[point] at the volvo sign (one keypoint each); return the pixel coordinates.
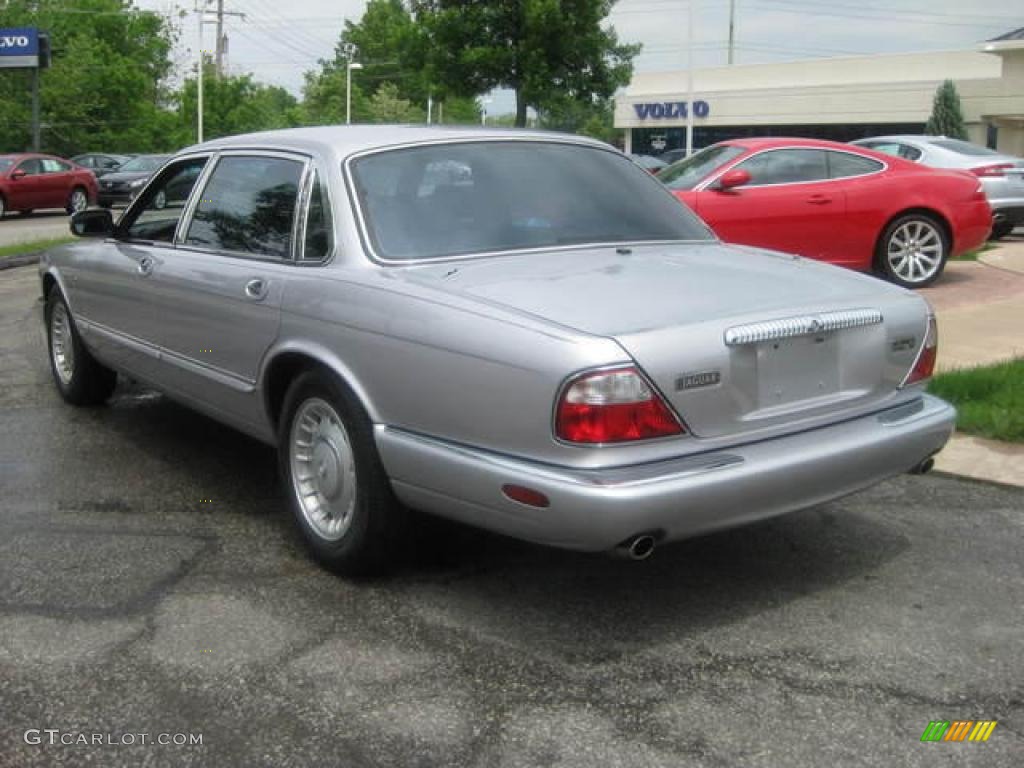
(665, 110)
(19, 47)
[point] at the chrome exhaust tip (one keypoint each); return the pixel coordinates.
(638, 547)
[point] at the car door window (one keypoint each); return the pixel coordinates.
(844, 164)
(31, 167)
(319, 231)
(54, 166)
(786, 166)
(156, 214)
(908, 152)
(248, 206)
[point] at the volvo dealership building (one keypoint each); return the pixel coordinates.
(841, 98)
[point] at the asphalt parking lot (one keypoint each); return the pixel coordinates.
(151, 583)
(41, 225)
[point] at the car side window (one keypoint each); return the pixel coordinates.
(844, 164)
(156, 214)
(319, 229)
(248, 206)
(908, 152)
(54, 166)
(786, 166)
(31, 167)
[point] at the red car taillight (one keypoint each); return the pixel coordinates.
(991, 171)
(613, 406)
(924, 365)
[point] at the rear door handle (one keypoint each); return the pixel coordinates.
(819, 200)
(146, 266)
(256, 289)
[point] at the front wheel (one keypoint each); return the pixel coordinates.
(80, 379)
(913, 250)
(339, 494)
(78, 201)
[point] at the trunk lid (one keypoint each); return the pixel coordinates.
(736, 339)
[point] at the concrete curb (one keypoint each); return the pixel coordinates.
(21, 260)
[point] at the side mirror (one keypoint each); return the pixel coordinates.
(92, 223)
(737, 177)
(17, 173)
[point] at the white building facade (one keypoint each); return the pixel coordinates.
(836, 98)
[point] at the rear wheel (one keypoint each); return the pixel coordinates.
(160, 201)
(26, 212)
(913, 250)
(1001, 229)
(78, 200)
(80, 379)
(339, 494)
(3, 206)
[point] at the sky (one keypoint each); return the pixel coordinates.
(277, 41)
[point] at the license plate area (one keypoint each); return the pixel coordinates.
(799, 368)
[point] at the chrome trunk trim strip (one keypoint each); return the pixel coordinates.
(801, 325)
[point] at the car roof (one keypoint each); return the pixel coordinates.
(787, 141)
(344, 140)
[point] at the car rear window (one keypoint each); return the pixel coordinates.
(843, 164)
(445, 200)
(686, 174)
(963, 147)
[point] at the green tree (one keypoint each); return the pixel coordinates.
(947, 118)
(233, 105)
(386, 106)
(547, 51)
(592, 119)
(106, 88)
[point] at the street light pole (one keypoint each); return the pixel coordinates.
(199, 75)
(348, 89)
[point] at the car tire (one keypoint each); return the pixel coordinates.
(1001, 229)
(80, 379)
(913, 250)
(26, 212)
(160, 200)
(78, 200)
(3, 206)
(339, 494)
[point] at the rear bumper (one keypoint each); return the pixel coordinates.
(972, 225)
(597, 509)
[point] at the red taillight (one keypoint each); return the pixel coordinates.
(924, 366)
(612, 407)
(991, 171)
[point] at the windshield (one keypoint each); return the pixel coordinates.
(963, 147)
(686, 174)
(451, 199)
(145, 163)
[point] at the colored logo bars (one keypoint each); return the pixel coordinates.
(958, 730)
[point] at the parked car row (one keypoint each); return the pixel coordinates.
(29, 181)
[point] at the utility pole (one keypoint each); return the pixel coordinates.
(689, 78)
(199, 75)
(732, 30)
(220, 40)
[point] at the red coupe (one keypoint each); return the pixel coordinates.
(837, 203)
(31, 181)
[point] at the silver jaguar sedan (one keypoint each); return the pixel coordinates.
(522, 331)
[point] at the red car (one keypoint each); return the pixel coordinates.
(31, 181)
(837, 203)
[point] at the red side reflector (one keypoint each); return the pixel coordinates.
(527, 496)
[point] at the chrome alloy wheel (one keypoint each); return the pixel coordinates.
(323, 469)
(914, 251)
(62, 347)
(79, 201)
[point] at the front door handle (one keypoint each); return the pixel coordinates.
(146, 266)
(819, 200)
(256, 289)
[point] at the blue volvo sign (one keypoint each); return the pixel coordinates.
(19, 47)
(664, 110)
